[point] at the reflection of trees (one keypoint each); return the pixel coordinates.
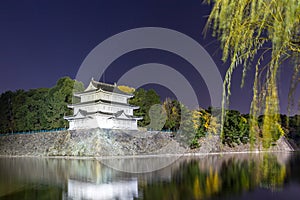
(187, 178)
(188, 182)
(206, 185)
(234, 176)
(271, 172)
(264, 171)
(237, 176)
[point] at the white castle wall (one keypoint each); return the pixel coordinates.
(107, 108)
(98, 121)
(105, 96)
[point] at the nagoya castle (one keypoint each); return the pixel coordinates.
(102, 105)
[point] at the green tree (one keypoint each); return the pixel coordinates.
(6, 114)
(144, 99)
(201, 122)
(37, 109)
(59, 97)
(31, 112)
(23, 111)
(173, 111)
(186, 122)
(19, 110)
(294, 129)
(158, 117)
(248, 31)
(236, 128)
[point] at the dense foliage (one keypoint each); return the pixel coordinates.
(192, 125)
(236, 128)
(144, 99)
(44, 109)
(292, 127)
(37, 109)
(173, 111)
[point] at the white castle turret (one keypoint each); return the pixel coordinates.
(102, 105)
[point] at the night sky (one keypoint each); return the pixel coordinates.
(42, 41)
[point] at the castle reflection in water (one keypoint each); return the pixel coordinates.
(188, 177)
(113, 190)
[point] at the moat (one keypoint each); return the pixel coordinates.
(228, 176)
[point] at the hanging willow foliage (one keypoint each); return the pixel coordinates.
(250, 30)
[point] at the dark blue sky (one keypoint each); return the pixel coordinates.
(42, 41)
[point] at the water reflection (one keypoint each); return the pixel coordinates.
(214, 176)
(221, 176)
(113, 190)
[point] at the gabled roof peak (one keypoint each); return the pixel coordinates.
(96, 85)
(101, 84)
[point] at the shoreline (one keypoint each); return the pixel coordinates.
(118, 144)
(146, 156)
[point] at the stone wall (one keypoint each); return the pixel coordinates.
(93, 142)
(104, 142)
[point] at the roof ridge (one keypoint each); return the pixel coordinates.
(105, 84)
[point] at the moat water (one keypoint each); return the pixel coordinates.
(229, 176)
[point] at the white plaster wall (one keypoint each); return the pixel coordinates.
(105, 96)
(104, 108)
(102, 122)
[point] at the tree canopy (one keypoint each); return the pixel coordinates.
(144, 99)
(37, 109)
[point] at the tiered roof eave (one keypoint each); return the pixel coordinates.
(83, 114)
(100, 101)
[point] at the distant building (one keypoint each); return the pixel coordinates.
(102, 105)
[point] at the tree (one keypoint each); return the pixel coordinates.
(36, 109)
(59, 97)
(6, 115)
(185, 134)
(250, 30)
(144, 99)
(158, 116)
(139, 100)
(31, 114)
(294, 129)
(236, 128)
(173, 111)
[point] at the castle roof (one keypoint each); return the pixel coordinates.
(95, 86)
(104, 102)
(83, 114)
